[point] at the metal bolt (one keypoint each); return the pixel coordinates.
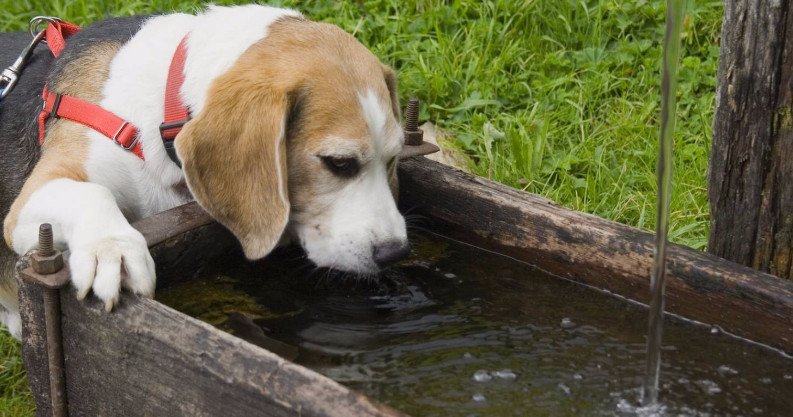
(52, 323)
(45, 239)
(413, 135)
(46, 260)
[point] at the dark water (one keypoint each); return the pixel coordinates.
(456, 331)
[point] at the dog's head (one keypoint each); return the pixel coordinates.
(301, 136)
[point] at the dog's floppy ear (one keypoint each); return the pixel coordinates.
(234, 158)
(391, 83)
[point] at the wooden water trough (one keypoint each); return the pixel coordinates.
(145, 359)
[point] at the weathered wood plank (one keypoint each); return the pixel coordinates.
(172, 223)
(34, 348)
(598, 252)
(179, 258)
(751, 161)
(146, 359)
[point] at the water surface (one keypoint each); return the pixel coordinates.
(456, 331)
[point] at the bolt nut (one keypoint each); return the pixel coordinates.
(415, 137)
(46, 265)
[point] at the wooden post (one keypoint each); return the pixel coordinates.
(751, 162)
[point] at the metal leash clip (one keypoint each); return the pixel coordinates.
(10, 76)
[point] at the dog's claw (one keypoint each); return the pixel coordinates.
(104, 265)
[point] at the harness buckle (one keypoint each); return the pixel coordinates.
(172, 125)
(118, 132)
(55, 105)
(36, 22)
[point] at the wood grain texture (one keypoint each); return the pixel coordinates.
(172, 223)
(751, 162)
(146, 359)
(598, 252)
(34, 335)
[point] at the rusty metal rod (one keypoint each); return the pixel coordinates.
(52, 322)
(48, 261)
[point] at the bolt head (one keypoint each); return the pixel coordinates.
(414, 137)
(46, 265)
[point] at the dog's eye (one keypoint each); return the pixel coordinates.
(343, 167)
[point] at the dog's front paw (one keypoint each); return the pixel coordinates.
(107, 263)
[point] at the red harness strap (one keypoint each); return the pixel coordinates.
(56, 33)
(176, 113)
(120, 131)
(117, 129)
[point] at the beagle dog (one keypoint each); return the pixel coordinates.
(294, 136)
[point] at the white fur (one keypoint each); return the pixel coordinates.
(13, 322)
(86, 218)
(374, 115)
(384, 130)
(363, 214)
(282, 194)
(360, 216)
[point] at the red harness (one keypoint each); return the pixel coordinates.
(120, 131)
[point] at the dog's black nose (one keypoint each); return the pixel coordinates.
(389, 252)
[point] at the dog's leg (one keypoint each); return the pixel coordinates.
(85, 219)
(9, 304)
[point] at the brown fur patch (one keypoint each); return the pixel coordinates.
(391, 83)
(331, 67)
(65, 146)
(234, 158)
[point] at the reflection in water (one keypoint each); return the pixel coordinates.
(455, 331)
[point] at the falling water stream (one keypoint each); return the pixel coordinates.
(674, 20)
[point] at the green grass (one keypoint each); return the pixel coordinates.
(15, 397)
(559, 98)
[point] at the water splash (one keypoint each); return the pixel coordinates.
(506, 374)
(674, 20)
(482, 376)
